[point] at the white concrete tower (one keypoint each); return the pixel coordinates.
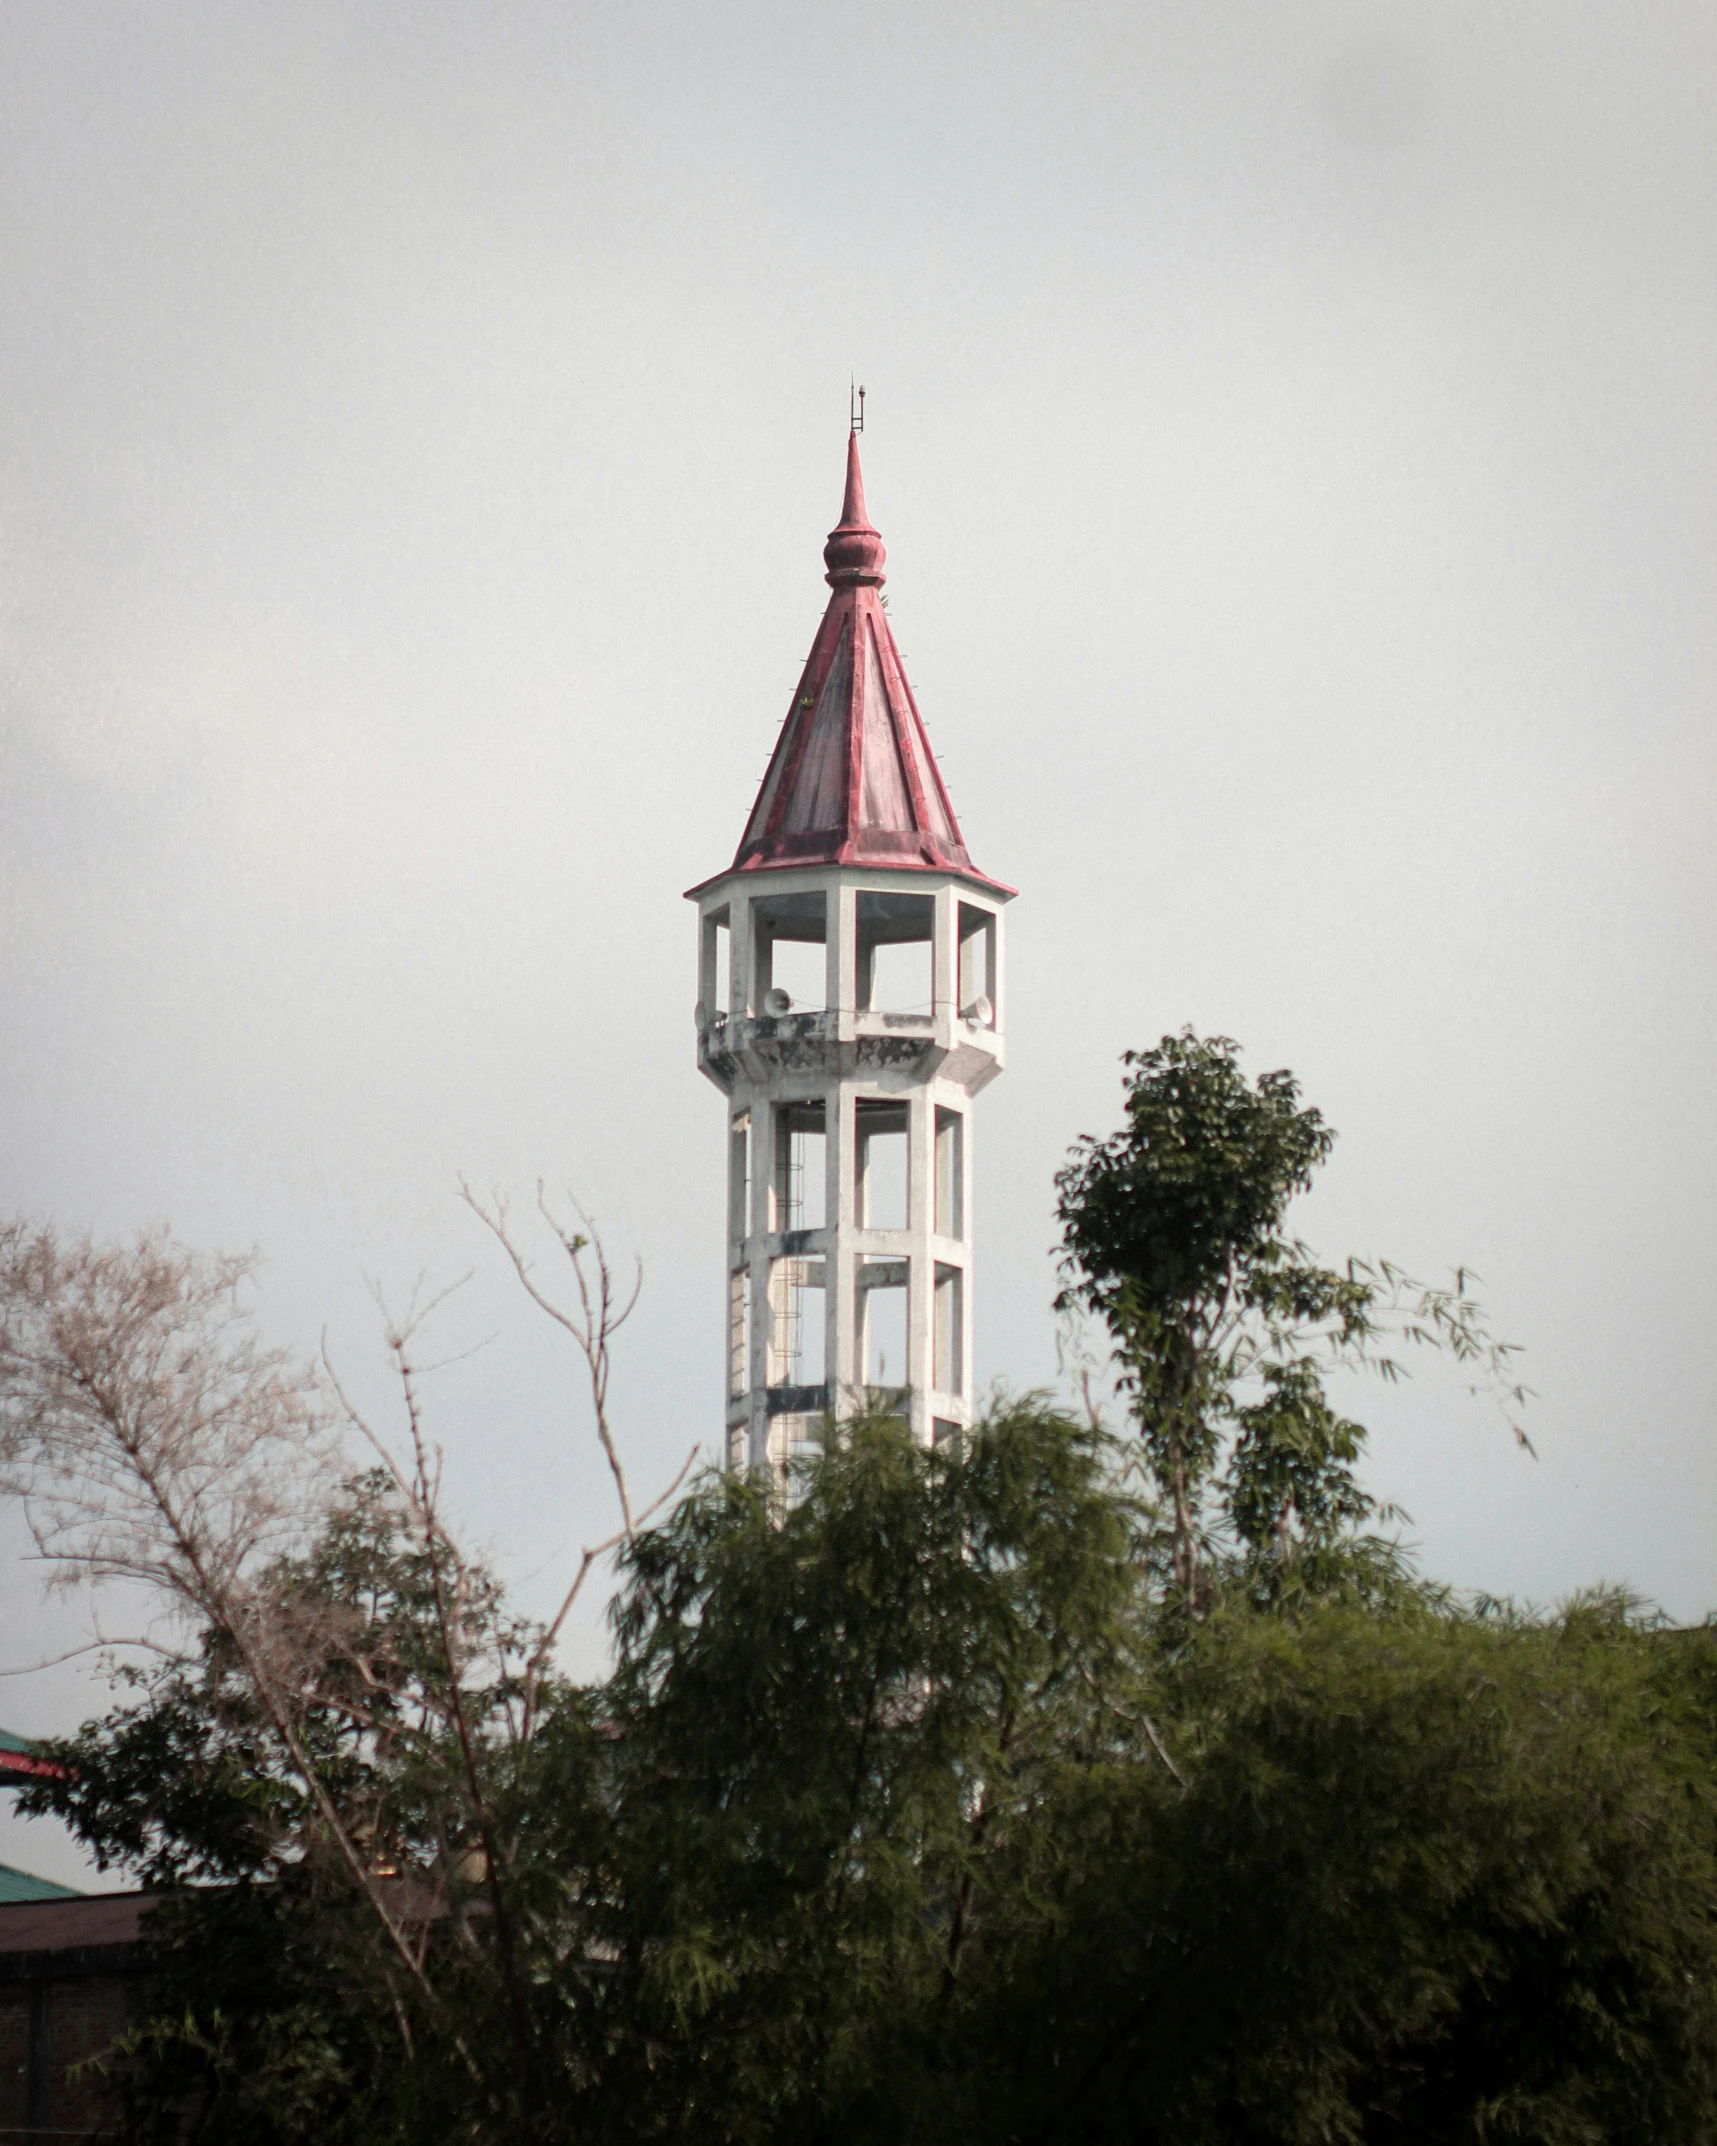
(850, 1006)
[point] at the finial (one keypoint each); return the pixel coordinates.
(854, 552)
(855, 407)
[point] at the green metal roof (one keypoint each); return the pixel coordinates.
(21, 1744)
(18, 1885)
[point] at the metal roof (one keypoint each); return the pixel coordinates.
(19, 1761)
(19, 1885)
(852, 779)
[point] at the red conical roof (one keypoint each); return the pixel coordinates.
(852, 779)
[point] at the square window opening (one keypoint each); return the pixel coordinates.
(739, 1180)
(715, 968)
(882, 1185)
(738, 1333)
(896, 934)
(882, 1333)
(949, 1331)
(801, 1166)
(977, 965)
(950, 1174)
(790, 965)
(901, 981)
(798, 1328)
(801, 1441)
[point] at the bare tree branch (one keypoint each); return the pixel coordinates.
(599, 1318)
(154, 1441)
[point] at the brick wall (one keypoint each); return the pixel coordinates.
(71, 1975)
(47, 2029)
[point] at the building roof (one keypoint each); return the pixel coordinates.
(78, 1919)
(852, 779)
(77, 1935)
(19, 1761)
(17, 1885)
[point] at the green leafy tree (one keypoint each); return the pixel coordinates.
(287, 1993)
(344, 1731)
(1429, 1877)
(1225, 1326)
(826, 1722)
(732, 1875)
(908, 1811)
(915, 1803)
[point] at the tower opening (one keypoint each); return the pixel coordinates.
(739, 1179)
(715, 967)
(977, 986)
(896, 946)
(949, 1338)
(738, 1333)
(950, 1173)
(738, 1274)
(884, 1354)
(882, 1183)
(790, 934)
(798, 1327)
(801, 1166)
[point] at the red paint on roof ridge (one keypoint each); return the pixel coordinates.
(19, 1757)
(852, 779)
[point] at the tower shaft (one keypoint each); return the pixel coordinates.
(850, 1006)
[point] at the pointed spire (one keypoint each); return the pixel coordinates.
(854, 553)
(853, 515)
(852, 779)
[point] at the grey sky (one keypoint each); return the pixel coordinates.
(1292, 429)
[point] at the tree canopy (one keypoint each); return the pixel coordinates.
(903, 1812)
(1080, 1782)
(1225, 1327)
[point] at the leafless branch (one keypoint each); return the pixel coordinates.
(89, 1646)
(153, 1439)
(587, 1560)
(599, 1318)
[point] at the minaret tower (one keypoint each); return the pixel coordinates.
(850, 1006)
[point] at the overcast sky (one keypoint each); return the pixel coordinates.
(1292, 428)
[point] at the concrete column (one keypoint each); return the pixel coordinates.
(707, 930)
(842, 928)
(840, 1285)
(945, 955)
(921, 1272)
(762, 1309)
(967, 1249)
(739, 954)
